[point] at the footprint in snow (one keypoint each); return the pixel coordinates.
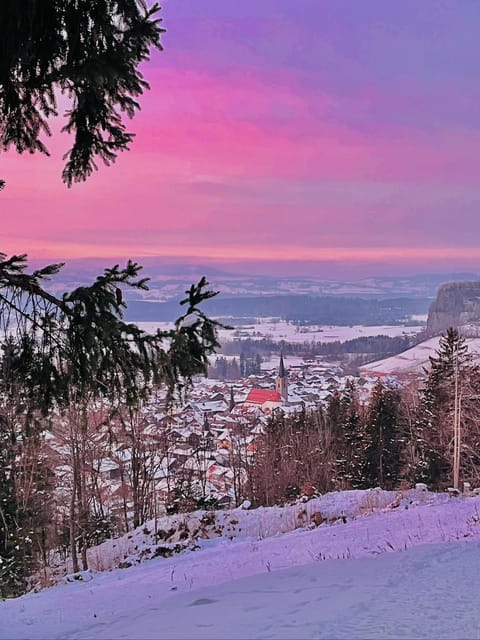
(202, 601)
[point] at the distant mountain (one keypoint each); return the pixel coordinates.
(375, 300)
(170, 279)
(166, 285)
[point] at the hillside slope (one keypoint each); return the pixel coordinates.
(414, 360)
(325, 582)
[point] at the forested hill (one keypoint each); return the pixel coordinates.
(336, 310)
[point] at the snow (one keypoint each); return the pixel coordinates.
(278, 330)
(416, 359)
(398, 565)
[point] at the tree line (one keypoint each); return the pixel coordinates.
(233, 369)
(380, 345)
(351, 353)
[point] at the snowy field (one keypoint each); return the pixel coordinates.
(416, 359)
(394, 566)
(283, 330)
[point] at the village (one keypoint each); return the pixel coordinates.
(195, 454)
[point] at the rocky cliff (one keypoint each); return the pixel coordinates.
(457, 305)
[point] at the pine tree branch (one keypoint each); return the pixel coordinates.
(90, 51)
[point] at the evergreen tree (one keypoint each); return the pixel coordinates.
(243, 365)
(12, 578)
(384, 441)
(25, 481)
(334, 416)
(351, 441)
(220, 368)
(451, 372)
(452, 355)
(434, 420)
(79, 344)
(67, 352)
(233, 370)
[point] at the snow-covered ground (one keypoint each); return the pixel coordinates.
(279, 330)
(416, 359)
(394, 566)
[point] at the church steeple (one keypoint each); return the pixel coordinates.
(281, 367)
(281, 382)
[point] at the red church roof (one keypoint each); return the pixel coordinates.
(259, 396)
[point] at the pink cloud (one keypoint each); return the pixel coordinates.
(214, 156)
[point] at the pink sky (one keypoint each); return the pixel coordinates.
(359, 142)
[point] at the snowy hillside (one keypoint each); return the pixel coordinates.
(356, 564)
(414, 360)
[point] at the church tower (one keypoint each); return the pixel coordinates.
(281, 381)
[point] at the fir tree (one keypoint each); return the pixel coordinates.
(433, 423)
(350, 442)
(89, 51)
(334, 416)
(12, 578)
(26, 486)
(451, 371)
(79, 344)
(67, 352)
(384, 442)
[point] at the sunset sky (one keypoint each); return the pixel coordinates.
(318, 134)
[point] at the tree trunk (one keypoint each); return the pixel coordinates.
(73, 529)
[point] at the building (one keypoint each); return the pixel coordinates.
(264, 399)
(281, 381)
(267, 400)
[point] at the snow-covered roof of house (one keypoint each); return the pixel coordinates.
(107, 465)
(210, 405)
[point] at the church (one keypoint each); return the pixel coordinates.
(268, 400)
